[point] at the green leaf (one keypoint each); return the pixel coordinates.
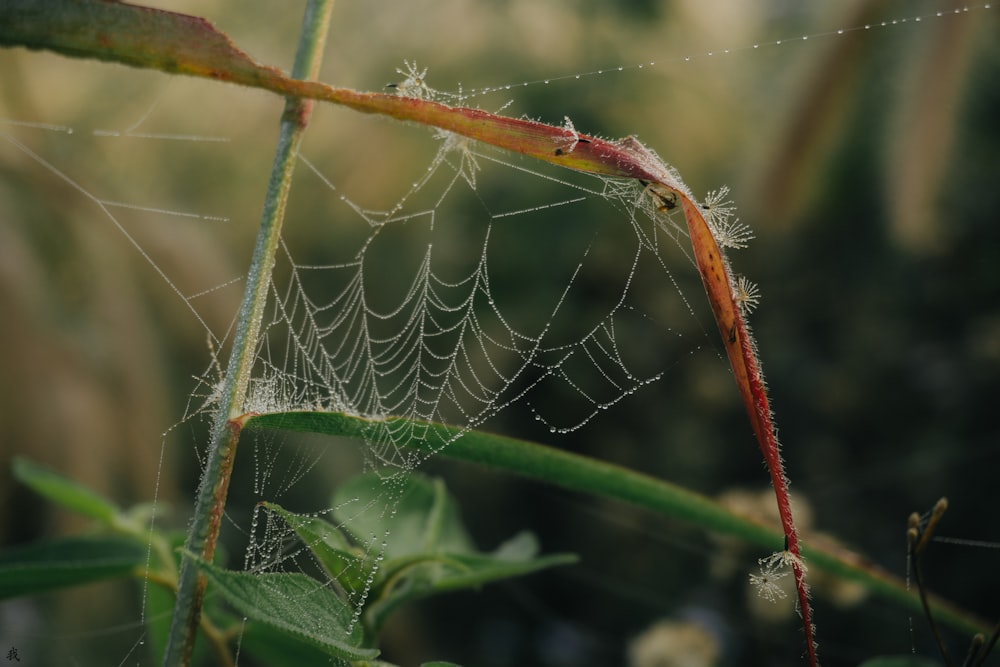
(296, 605)
(61, 563)
(427, 549)
(343, 562)
(606, 480)
(416, 511)
(64, 491)
(900, 661)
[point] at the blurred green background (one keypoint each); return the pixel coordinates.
(866, 163)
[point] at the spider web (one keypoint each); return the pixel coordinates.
(447, 283)
(449, 309)
(472, 285)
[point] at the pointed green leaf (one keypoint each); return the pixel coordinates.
(64, 491)
(473, 571)
(295, 605)
(415, 511)
(329, 545)
(405, 580)
(53, 564)
(427, 549)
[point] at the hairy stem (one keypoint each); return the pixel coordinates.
(717, 279)
(211, 499)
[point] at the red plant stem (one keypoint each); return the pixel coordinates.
(716, 277)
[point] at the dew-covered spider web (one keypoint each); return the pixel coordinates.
(465, 300)
(423, 280)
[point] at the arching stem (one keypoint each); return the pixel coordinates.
(741, 350)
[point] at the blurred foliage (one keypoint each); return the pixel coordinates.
(865, 162)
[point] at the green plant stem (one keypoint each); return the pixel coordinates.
(204, 528)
